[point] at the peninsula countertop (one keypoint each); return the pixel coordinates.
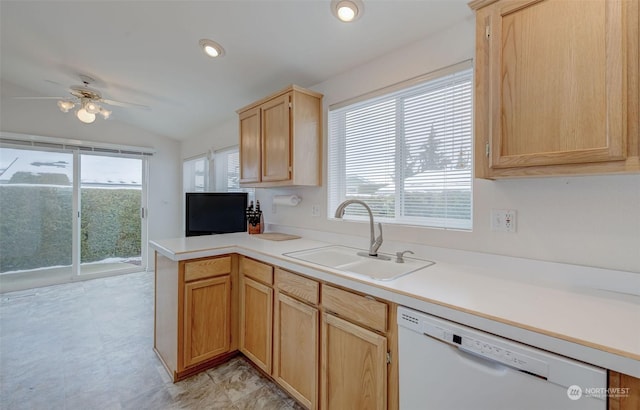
(585, 313)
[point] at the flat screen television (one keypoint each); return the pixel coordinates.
(209, 213)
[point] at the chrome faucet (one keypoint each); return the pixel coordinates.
(375, 243)
(400, 256)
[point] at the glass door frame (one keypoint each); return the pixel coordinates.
(75, 274)
(77, 216)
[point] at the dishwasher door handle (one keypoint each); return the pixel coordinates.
(482, 363)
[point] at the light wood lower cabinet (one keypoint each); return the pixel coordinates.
(359, 351)
(296, 349)
(195, 313)
(354, 366)
(256, 321)
(330, 348)
(624, 392)
(207, 317)
(296, 340)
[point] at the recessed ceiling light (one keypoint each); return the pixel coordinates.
(347, 10)
(211, 48)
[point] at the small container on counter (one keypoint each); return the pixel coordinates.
(255, 220)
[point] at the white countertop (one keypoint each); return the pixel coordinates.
(589, 314)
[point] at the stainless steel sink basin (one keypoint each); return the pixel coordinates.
(347, 259)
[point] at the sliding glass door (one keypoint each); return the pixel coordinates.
(67, 215)
(36, 216)
(110, 210)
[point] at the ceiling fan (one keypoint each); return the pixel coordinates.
(88, 100)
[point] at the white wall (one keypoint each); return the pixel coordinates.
(592, 221)
(221, 136)
(43, 118)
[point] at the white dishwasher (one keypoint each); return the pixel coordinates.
(444, 365)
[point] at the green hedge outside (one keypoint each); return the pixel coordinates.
(36, 225)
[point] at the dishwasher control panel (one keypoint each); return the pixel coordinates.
(479, 343)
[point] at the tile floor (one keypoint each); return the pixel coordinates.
(89, 345)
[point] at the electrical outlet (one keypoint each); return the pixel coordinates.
(503, 220)
(510, 220)
(315, 210)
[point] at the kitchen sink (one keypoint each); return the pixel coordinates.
(349, 260)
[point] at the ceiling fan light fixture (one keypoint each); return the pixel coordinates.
(66, 105)
(105, 113)
(91, 106)
(347, 10)
(89, 102)
(211, 48)
(85, 116)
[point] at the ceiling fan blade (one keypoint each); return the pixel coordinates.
(124, 104)
(55, 83)
(38, 98)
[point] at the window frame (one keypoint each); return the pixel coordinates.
(397, 94)
(190, 186)
(220, 171)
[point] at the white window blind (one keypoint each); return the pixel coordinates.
(227, 171)
(195, 174)
(406, 153)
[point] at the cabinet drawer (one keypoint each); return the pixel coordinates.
(207, 268)
(256, 270)
(298, 286)
(360, 309)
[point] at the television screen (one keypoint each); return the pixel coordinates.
(209, 213)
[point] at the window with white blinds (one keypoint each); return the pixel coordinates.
(195, 174)
(407, 153)
(227, 168)
(227, 171)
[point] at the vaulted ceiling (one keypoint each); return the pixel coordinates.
(147, 52)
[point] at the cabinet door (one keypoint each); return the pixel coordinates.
(354, 366)
(206, 319)
(556, 91)
(256, 321)
(629, 399)
(296, 349)
(276, 139)
(250, 146)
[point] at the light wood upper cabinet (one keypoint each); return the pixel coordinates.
(354, 366)
(207, 319)
(281, 139)
(250, 146)
(556, 87)
(276, 141)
